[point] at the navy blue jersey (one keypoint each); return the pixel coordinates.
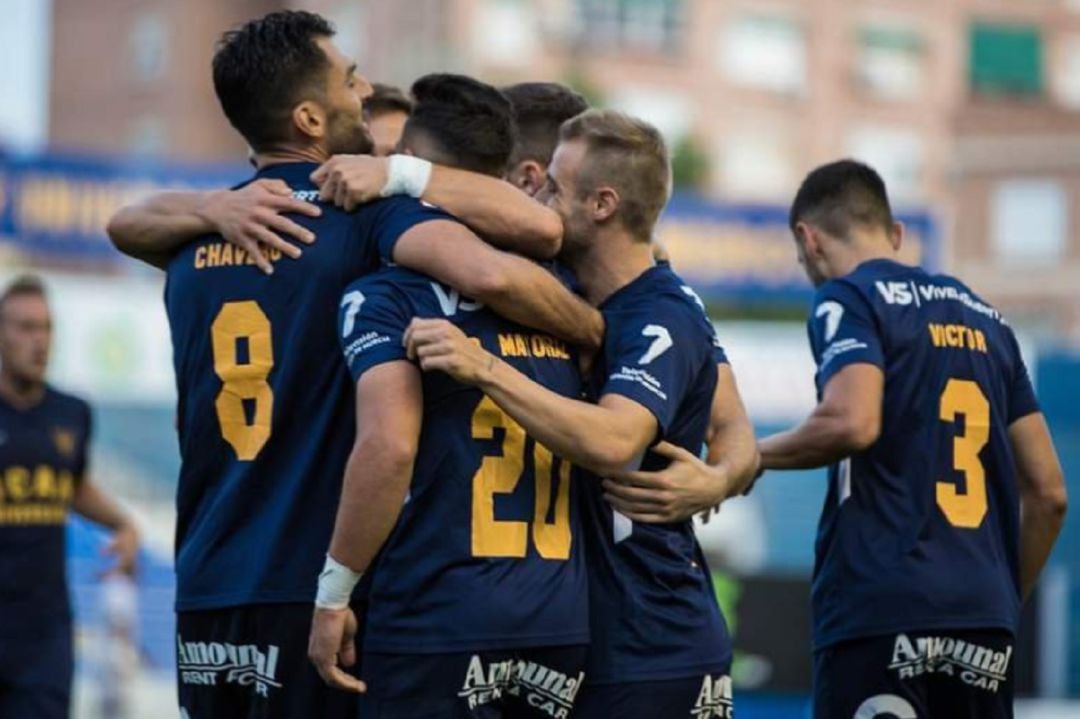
(43, 457)
(265, 411)
(486, 553)
(920, 531)
(652, 607)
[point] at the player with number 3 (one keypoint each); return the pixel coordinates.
(945, 493)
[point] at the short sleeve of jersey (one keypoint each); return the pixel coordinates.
(393, 217)
(652, 357)
(372, 320)
(1021, 393)
(842, 331)
(84, 450)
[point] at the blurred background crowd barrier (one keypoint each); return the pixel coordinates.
(969, 108)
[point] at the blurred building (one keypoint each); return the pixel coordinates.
(968, 107)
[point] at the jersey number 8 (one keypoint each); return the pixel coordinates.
(967, 509)
(500, 475)
(245, 323)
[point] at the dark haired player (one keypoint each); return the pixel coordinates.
(44, 447)
(265, 416)
(945, 493)
(385, 111)
(477, 602)
(659, 645)
(540, 108)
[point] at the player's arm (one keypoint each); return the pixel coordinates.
(603, 437)
(153, 229)
(389, 409)
(846, 421)
(501, 213)
(1043, 499)
(512, 286)
(97, 506)
(688, 485)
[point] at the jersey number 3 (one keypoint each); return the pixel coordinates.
(243, 358)
(967, 509)
(500, 475)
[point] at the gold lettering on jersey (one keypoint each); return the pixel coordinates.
(38, 496)
(222, 254)
(957, 337)
(513, 344)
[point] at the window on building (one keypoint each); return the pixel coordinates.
(764, 51)
(890, 61)
(897, 155)
(1006, 59)
(649, 25)
(149, 45)
(1030, 221)
(1068, 73)
(758, 161)
(516, 40)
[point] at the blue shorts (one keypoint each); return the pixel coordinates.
(702, 697)
(917, 675)
(35, 674)
(536, 683)
(251, 662)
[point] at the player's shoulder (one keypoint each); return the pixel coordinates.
(65, 403)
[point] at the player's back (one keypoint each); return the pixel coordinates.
(921, 531)
(265, 408)
(486, 553)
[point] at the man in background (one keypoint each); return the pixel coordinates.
(385, 111)
(44, 448)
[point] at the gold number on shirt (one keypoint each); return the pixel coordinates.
(247, 381)
(500, 475)
(967, 509)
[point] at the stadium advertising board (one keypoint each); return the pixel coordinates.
(54, 208)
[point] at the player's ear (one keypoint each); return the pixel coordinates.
(528, 176)
(896, 235)
(310, 120)
(605, 203)
(807, 238)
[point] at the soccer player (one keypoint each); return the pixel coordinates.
(540, 108)
(265, 416)
(44, 440)
(477, 602)
(385, 111)
(659, 643)
(945, 493)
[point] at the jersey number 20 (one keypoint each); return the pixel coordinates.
(236, 324)
(963, 397)
(500, 475)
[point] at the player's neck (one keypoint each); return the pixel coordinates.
(19, 393)
(285, 154)
(610, 264)
(858, 253)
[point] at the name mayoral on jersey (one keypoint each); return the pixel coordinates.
(547, 690)
(204, 663)
(977, 666)
(222, 254)
(515, 344)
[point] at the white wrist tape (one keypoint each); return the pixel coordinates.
(406, 175)
(336, 583)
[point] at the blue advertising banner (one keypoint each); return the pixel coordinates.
(53, 209)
